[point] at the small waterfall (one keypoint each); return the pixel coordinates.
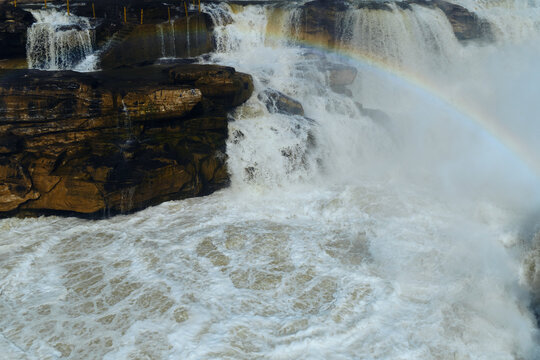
(124, 120)
(167, 38)
(188, 40)
(221, 17)
(60, 42)
(172, 40)
(162, 40)
(419, 42)
(288, 154)
(408, 39)
(511, 20)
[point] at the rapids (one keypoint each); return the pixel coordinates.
(406, 236)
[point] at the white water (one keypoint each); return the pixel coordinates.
(57, 41)
(340, 238)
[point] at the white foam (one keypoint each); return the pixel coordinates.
(340, 238)
(57, 41)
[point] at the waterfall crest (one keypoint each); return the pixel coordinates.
(57, 41)
(383, 204)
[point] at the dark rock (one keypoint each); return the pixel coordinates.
(135, 43)
(466, 25)
(72, 27)
(112, 142)
(226, 86)
(131, 43)
(277, 102)
(9, 143)
(237, 136)
(321, 19)
(340, 75)
(14, 23)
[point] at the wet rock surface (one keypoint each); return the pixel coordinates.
(165, 31)
(14, 23)
(113, 142)
(132, 44)
(129, 42)
(277, 102)
(466, 25)
(321, 16)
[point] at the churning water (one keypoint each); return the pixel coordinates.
(346, 234)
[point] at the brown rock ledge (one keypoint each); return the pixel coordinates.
(321, 19)
(113, 142)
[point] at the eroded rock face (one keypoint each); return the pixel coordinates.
(276, 101)
(466, 25)
(14, 23)
(166, 31)
(319, 20)
(134, 43)
(104, 143)
(321, 17)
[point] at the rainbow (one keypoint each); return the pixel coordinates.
(458, 108)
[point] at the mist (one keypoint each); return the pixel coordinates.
(395, 217)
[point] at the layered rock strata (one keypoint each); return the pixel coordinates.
(133, 44)
(113, 142)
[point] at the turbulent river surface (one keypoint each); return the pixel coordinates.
(345, 234)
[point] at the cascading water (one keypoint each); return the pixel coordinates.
(344, 235)
(57, 41)
(188, 38)
(512, 20)
(168, 39)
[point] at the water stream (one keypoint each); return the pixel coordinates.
(57, 41)
(401, 233)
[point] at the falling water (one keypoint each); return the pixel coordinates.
(390, 222)
(168, 39)
(57, 41)
(161, 31)
(188, 39)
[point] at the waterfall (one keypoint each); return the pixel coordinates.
(188, 39)
(57, 41)
(513, 20)
(419, 39)
(167, 39)
(396, 217)
(161, 32)
(412, 67)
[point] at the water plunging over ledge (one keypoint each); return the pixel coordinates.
(57, 41)
(384, 223)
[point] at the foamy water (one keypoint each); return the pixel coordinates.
(57, 41)
(341, 236)
(312, 274)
